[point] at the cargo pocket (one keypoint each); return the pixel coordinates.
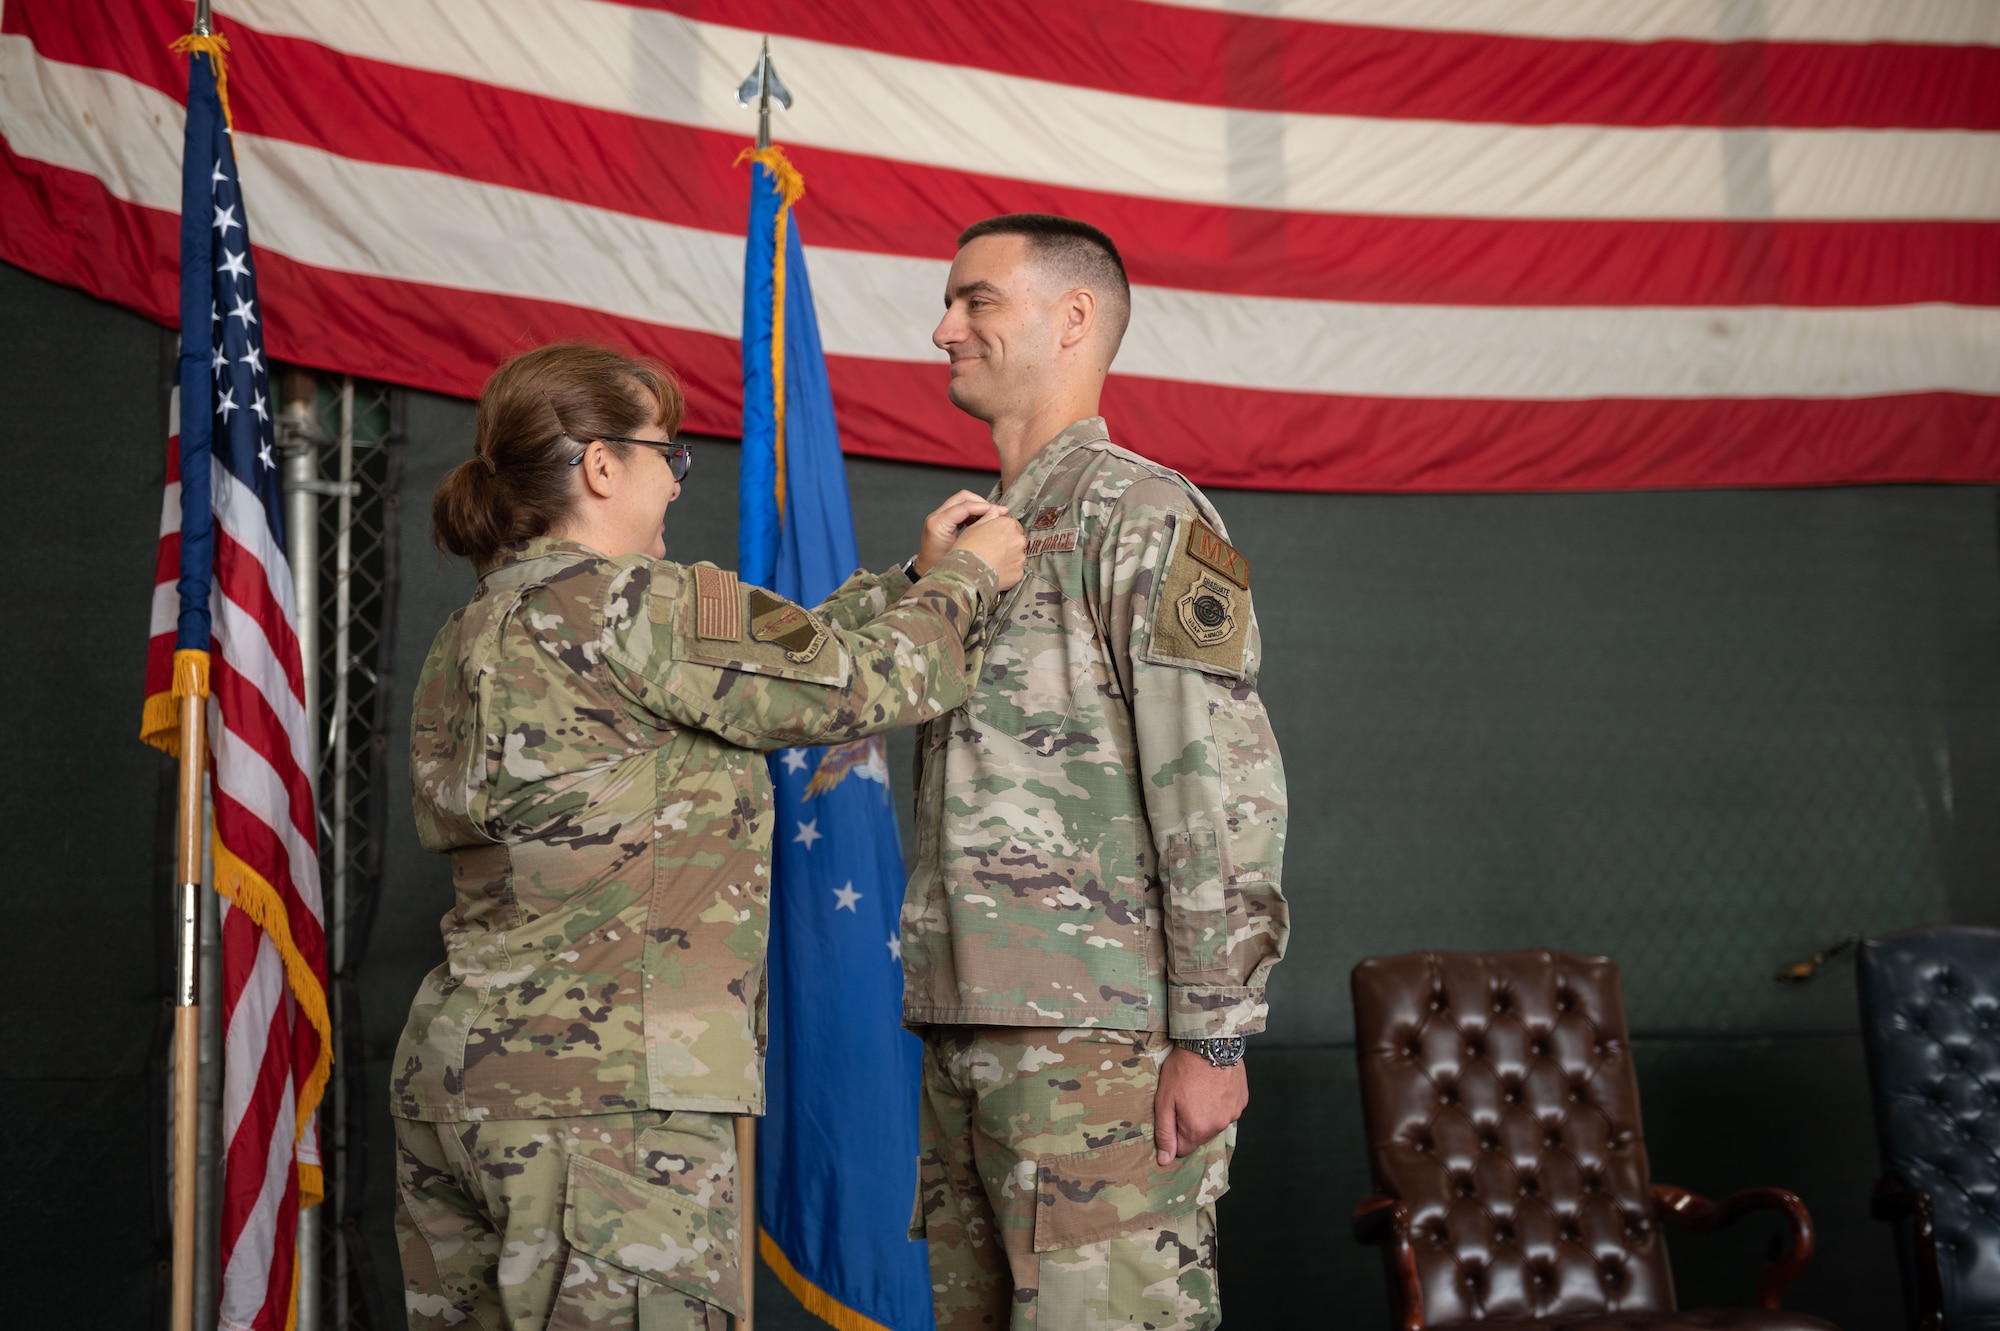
(1095, 1195)
(677, 1248)
(1201, 908)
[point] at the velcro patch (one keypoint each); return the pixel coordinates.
(794, 628)
(1055, 540)
(1218, 554)
(718, 607)
(1207, 611)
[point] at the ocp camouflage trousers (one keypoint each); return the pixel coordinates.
(1037, 1189)
(612, 1222)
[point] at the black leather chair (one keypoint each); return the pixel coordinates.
(1512, 1187)
(1930, 1019)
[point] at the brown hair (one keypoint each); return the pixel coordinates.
(538, 410)
(1076, 252)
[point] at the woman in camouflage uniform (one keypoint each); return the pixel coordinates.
(587, 746)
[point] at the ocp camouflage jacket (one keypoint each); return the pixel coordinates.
(1101, 826)
(585, 745)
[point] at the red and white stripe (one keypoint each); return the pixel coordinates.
(262, 800)
(1413, 244)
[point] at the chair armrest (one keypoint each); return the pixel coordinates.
(1685, 1210)
(1893, 1199)
(1386, 1221)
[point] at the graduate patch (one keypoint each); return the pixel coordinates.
(1046, 519)
(776, 620)
(1207, 611)
(1054, 540)
(1218, 554)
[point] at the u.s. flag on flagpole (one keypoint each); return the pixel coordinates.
(837, 1152)
(225, 627)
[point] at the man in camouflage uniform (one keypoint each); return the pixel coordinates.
(586, 746)
(1095, 906)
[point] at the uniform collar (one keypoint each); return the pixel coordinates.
(1028, 484)
(517, 561)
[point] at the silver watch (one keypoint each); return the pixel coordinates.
(1225, 1052)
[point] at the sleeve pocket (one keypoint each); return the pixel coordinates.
(655, 1232)
(1197, 902)
(1095, 1195)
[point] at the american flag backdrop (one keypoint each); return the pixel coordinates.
(1378, 244)
(222, 586)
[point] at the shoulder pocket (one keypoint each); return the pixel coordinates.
(1201, 615)
(655, 1231)
(1095, 1195)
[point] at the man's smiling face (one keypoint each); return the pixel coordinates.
(996, 327)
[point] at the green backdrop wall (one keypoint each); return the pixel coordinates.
(1706, 733)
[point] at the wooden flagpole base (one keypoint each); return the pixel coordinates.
(746, 1184)
(187, 1008)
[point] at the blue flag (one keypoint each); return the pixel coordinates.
(837, 1150)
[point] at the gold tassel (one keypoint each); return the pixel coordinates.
(214, 45)
(791, 188)
(160, 722)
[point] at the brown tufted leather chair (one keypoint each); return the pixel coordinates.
(1503, 1129)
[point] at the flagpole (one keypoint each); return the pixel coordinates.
(187, 1006)
(762, 85)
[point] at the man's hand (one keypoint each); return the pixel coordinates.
(999, 540)
(942, 527)
(1195, 1101)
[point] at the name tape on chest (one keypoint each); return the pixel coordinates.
(794, 628)
(1218, 554)
(718, 607)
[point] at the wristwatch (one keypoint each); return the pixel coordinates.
(910, 568)
(1225, 1052)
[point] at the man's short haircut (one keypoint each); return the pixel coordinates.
(1077, 253)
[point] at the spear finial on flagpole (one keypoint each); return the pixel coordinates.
(202, 26)
(762, 85)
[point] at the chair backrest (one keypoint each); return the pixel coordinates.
(1930, 1019)
(1502, 1106)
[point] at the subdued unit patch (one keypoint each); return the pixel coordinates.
(1218, 554)
(1200, 619)
(794, 628)
(718, 607)
(1207, 611)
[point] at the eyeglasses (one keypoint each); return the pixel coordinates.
(679, 456)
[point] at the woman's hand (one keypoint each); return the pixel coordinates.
(942, 527)
(999, 540)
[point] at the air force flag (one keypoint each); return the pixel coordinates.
(837, 1150)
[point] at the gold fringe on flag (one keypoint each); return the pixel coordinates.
(160, 722)
(246, 890)
(816, 1300)
(791, 188)
(214, 45)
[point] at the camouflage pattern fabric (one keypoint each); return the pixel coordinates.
(1101, 826)
(1038, 1193)
(584, 745)
(616, 1222)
